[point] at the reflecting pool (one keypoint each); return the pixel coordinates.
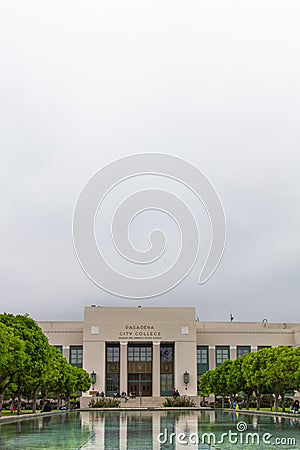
(148, 430)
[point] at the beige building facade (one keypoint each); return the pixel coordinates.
(148, 351)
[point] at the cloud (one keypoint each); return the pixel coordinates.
(215, 83)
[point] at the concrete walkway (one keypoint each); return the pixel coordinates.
(16, 417)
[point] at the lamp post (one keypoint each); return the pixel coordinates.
(93, 379)
(186, 379)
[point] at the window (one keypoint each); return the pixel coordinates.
(166, 383)
(113, 354)
(202, 359)
(242, 350)
(139, 353)
(166, 353)
(260, 347)
(222, 354)
(112, 366)
(112, 383)
(140, 368)
(166, 368)
(76, 353)
(202, 354)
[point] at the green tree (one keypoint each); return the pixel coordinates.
(297, 376)
(227, 380)
(205, 384)
(12, 358)
(83, 380)
(281, 370)
(238, 379)
(64, 380)
(253, 371)
(235, 379)
(220, 380)
(37, 350)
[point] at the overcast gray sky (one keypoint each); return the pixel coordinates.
(216, 83)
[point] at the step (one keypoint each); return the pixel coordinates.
(143, 401)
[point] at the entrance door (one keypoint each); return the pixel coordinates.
(140, 369)
(138, 383)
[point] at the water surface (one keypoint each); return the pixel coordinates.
(150, 430)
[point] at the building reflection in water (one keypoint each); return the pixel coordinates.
(139, 430)
(126, 430)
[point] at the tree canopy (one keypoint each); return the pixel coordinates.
(30, 366)
(272, 371)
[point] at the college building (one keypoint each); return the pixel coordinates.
(148, 351)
